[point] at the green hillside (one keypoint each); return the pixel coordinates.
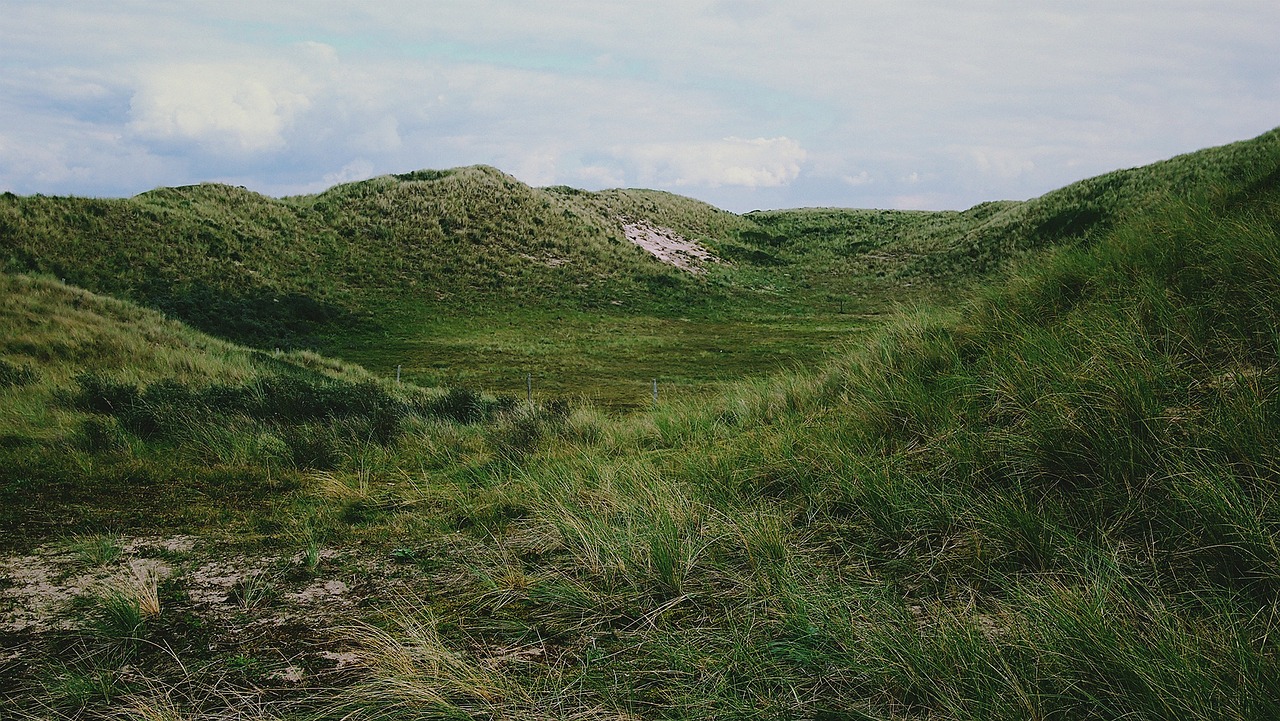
(417, 271)
(955, 245)
(1050, 493)
(468, 277)
(112, 414)
(263, 269)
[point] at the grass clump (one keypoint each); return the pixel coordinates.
(99, 549)
(125, 608)
(72, 689)
(413, 672)
(254, 590)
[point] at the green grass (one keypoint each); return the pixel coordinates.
(1052, 495)
(97, 549)
(607, 357)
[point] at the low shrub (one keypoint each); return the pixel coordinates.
(99, 394)
(100, 435)
(462, 405)
(312, 446)
(169, 409)
(465, 405)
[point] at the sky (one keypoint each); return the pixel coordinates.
(914, 104)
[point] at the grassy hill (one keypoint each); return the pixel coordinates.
(954, 245)
(416, 271)
(261, 269)
(1055, 498)
(113, 414)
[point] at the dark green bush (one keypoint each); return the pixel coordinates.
(100, 435)
(462, 405)
(99, 394)
(519, 432)
(312, 447)
(166, 409)
(386, 423)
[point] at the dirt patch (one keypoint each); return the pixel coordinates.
(246, 604)
(261, 622)
(38, 591)
(669, 246)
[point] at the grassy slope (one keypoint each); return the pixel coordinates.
(391, 272)
(451, 238)
(101, 399)
(1056, 501)
(951, 245)
(394, 272)
(470, 236)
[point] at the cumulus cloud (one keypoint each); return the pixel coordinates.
(358, 169)
(536, 167)
(756, 163)
(1004, 163)
(817, 101)
(235, 108)
(862, 178)
(600, 176)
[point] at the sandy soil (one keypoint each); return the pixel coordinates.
(669, 246)
(46, 597)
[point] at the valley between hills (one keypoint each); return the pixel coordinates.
(392, 451)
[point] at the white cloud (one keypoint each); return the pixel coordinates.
(224, 108)
(914, 202)
(381, 135)
(1004, 163)
(757, 163)
(358, 169)
(538, 167)
(844, 100)
(599, 176)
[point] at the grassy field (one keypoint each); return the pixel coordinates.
(606, 358)
(1046, 489)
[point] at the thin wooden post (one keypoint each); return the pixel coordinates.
(655, 392)
(397, 375)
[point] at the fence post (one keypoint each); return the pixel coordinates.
(528, 388)
(655, 392)
(397, 375)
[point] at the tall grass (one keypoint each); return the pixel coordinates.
(1055, 500)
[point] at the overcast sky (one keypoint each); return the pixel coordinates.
(743, 103)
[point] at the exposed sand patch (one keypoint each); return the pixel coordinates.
(271, 609)
(322, 591)
(37, 590)
(669, 246)
(341, 659)
(211, 584)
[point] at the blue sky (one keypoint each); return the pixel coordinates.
(743, 103)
